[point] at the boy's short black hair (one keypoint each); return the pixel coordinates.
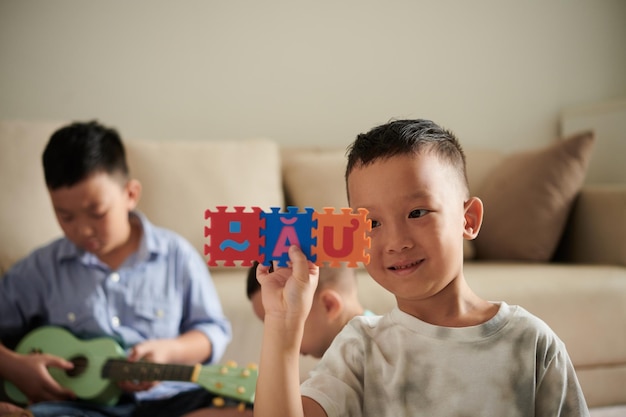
(402, 137)
(76, 151)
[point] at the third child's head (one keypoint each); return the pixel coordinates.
(410, 175)
(87, 178)
(334, 304)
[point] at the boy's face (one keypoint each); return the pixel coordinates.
(416, 204)
(93, 214)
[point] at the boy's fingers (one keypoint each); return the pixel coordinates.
(300, 264)
(134, 354)
(58, 362)
(262, 270)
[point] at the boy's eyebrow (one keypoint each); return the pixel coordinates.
(419, 194)
(90, 207)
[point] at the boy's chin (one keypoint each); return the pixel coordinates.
(96, 250)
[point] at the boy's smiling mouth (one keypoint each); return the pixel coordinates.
(404, 266)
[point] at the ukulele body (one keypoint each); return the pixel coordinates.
(88, 356)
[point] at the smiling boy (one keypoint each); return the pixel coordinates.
(443, 350)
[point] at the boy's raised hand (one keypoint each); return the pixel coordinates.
(287, 293)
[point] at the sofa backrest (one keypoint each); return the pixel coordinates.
(181, 179)
(26, 217)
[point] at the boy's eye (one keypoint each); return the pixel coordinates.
(417, 213)
(98, 215)
(375, 223)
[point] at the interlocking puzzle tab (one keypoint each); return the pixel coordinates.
(326, 238)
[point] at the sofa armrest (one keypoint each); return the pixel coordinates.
(596, 230)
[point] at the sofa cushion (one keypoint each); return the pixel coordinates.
(528, 197)
(181, 179)
(315, 178)
(480, 162)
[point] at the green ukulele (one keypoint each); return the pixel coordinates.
(99, 363)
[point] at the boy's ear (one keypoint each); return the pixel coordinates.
(133, 190)
(473, 217)
(332, 302)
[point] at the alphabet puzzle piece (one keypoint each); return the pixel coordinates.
(285, 229)
(342, 237)
(233, 236)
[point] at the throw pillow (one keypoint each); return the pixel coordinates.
(527, 200)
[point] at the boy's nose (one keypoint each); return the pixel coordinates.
(85, 229)
(398, 238)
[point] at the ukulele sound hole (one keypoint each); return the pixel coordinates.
(80, 365)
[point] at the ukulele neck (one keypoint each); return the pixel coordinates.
(122, 370)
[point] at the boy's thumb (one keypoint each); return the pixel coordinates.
(301, 265)
(296, 255)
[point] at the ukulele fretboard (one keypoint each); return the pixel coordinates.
(122, 370)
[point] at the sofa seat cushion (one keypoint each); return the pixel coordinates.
(593, 297)
(567, 297)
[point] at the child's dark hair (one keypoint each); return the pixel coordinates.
(252, 284)
(403, 137)
(76, 151)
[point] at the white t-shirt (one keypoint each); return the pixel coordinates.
(396, 365)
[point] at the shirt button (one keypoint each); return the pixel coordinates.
(71, 317)
(115, 277)
(115, 321)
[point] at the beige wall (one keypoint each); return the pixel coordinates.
(311, 73)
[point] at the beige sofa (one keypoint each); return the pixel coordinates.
(582, 296)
